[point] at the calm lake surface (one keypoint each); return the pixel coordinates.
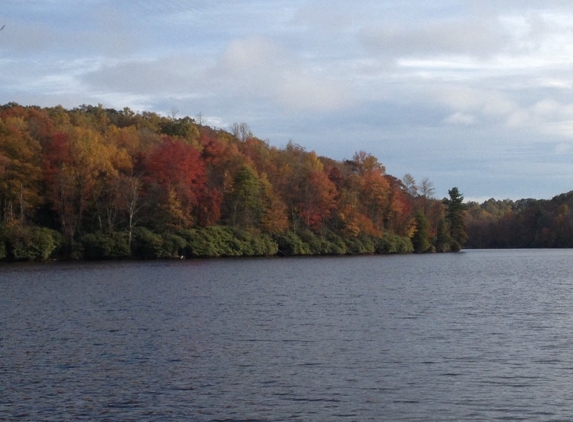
(473, 336)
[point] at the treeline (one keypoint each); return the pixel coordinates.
(98, 183)
(525, 223)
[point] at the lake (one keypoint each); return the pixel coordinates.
(473, 336)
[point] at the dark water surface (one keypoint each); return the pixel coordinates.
(474, 336)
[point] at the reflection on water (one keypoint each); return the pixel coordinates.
(480, 335)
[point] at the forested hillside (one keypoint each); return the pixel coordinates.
(100, 183)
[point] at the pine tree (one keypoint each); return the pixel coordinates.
(421, 235)
(455, 209)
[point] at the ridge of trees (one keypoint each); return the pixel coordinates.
(524, 223)
(100, 183)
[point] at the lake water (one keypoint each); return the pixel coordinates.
(473, 336)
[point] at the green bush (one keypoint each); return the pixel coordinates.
(105, 246)
(223, 241)
(267, 246)
(173, 245)
(308, 237)
(353, 245)
(290, 244)
(392, 243)
(335, 244)
(217, 241)
(254, 243)
(323, 242)
(148, 245)
(387, 244)
(361, 244)
(213, 241)
(31, 243)
(195, 243)
(406, 245)
(368, 244)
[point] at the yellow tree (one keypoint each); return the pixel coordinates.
(374, 197)
(76, 162)
(274, 219)
(299, 179)
(20, 170)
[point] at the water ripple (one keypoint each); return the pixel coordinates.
(477, 336)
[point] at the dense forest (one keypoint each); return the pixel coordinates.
(99, 183)
(526, 223)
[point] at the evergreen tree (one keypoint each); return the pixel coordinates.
(455, 209)
(443, 240)
(421, 235)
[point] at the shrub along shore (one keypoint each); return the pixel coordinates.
(40, 244)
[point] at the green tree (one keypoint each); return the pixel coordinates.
(443, 240)
(420, 240)
(455, 210)
(246, 200)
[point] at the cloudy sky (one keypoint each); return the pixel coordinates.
(473, 94)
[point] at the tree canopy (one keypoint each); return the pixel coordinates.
(93, 182)
(525, 223)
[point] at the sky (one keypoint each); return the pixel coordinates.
(472, 94)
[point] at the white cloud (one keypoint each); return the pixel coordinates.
(325, 15)
(310, 94)
(563, 148)
(468, 99)
(249, 69)
(518, 119)
(459, 118)
(259, 67)
(250, 54)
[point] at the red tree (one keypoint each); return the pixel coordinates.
(178, 169)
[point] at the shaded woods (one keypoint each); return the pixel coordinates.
(525, 223)
(95, 183)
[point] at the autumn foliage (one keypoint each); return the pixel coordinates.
(102, 183)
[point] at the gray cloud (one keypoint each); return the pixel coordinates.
(449, 37)
(464, 92)
(22, 38)
(163, 76)
(252, 67)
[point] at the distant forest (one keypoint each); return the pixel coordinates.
(526, 223)
(99, 183)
